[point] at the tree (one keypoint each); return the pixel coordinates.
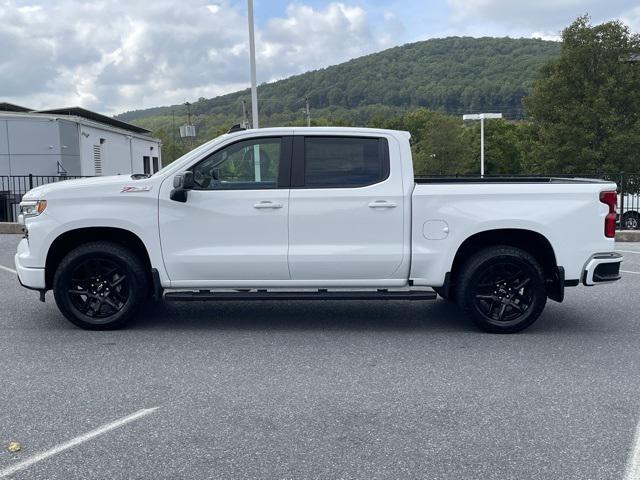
(585, 106)
(438, 142)
(506, 147)
(449, 74)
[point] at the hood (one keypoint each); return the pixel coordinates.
(90, 186)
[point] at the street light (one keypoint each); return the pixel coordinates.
(482, 117)
(252, 60)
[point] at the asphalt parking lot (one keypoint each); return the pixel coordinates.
(322, 390)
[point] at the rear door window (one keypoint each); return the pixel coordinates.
(343, 162)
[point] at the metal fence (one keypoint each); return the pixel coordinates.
(629, 201)
(12, 188)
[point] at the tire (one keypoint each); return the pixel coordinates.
(449, 297)
(502, 289)
(630, 221)
(100, 285)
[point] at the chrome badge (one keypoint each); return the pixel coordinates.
(137, 188)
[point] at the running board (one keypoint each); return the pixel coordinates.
(321, 294)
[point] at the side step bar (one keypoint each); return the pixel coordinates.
(321, 294)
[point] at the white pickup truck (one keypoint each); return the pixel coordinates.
(314, 213)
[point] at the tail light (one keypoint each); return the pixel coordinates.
(611, 200)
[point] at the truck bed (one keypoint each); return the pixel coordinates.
(504, 179)
(446, 211)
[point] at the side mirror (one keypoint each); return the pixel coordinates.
(182, 183)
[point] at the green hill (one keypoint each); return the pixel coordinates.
(452, 75)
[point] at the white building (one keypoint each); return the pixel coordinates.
(73, 142)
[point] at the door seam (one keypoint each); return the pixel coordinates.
(289, 232)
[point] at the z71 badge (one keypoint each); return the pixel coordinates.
(133, 189)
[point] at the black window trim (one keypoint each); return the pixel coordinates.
(298, 161)
(146, 164)
(284, 167)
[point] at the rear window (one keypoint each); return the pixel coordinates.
(335, 162)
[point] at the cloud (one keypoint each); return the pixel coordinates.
(306, 38)
(554, 37)
(540, 15)
(632, 18)
(123, 54)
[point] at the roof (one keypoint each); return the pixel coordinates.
(96, 117)
(317, 130)
(11, 107)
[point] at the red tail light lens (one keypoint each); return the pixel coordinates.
(610, 199)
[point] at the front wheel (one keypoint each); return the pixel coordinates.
(502, 289)
(100, 285)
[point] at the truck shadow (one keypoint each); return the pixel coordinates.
(304, 315)
(393, 316)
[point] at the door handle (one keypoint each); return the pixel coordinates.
(382, 204)
(268, 204)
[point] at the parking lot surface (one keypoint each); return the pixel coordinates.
(323, 389)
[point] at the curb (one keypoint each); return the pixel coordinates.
(7, 227)
(628, 236)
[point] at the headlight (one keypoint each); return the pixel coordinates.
(32, 208)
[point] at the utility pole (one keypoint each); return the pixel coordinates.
(173, 134)
(245, 123)
(307, 111)
(481, 117)
(633, 57)
(482, 146)
(252, 61)
(189, 123)
(188, 105)
(188, 130)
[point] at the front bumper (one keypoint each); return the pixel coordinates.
(33, 278)
(602, 268)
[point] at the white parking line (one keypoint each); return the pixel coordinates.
(629, 271)
(628, 251)
(75, 442)
(632, 472)
(7, 269)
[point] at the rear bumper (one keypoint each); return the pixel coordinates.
(602, 268)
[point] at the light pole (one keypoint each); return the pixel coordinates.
(252, 60)
(481, 117)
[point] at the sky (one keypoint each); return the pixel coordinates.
(117, 55)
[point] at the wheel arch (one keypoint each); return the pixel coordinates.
(71, 239)
(530, 241)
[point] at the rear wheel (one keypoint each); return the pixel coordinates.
(502, 289)
(100, 285)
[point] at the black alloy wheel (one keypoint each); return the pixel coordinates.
(631, 221)
(99, 288)
(100, 285)
(503, 293)
(502, 289)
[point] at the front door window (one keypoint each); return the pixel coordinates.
(252, 164)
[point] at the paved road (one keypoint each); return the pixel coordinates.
(324, 390)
